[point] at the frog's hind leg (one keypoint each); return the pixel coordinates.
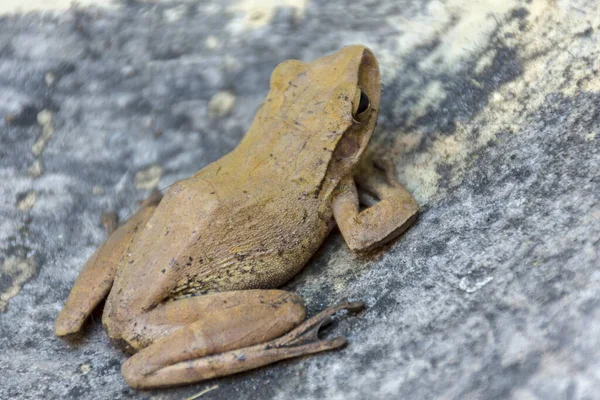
(230, 339)
(96, 277)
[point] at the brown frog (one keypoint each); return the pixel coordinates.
(190, 279)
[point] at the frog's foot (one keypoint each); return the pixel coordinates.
(302, 340)
(307, 333)
(96, 277)
(391, 209)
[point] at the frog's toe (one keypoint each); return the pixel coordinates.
(308, 332)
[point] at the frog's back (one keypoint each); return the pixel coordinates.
(256, 236)
(212, 233)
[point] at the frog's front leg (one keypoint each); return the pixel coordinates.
(96, 277)
(384, 220)
(230, 332)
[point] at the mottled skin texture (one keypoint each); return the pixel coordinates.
(189, 279)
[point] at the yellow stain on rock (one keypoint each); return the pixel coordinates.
(256, 14)
(20, 6)
(549, 67)
(148, 179)
(15, 271)
(27, 202)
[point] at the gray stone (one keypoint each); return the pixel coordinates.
(490, 109)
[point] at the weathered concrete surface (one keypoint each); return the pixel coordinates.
(491, 110)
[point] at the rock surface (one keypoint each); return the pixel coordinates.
(490, 109)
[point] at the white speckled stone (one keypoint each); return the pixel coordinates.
(491, 110)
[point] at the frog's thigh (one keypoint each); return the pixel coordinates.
(233, 332)
(96, 277)
(378, 224)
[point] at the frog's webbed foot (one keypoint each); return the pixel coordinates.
(302, 340)
(391, 208)
(96, 277)
(307, 334)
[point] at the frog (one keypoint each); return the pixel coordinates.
(191, 281)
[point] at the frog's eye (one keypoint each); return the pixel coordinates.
(361, 106)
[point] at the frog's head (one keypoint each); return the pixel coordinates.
(319, 110)
(346, 82)
(341, 89)
(328, 96)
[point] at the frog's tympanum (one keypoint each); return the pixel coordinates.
(189, 280)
